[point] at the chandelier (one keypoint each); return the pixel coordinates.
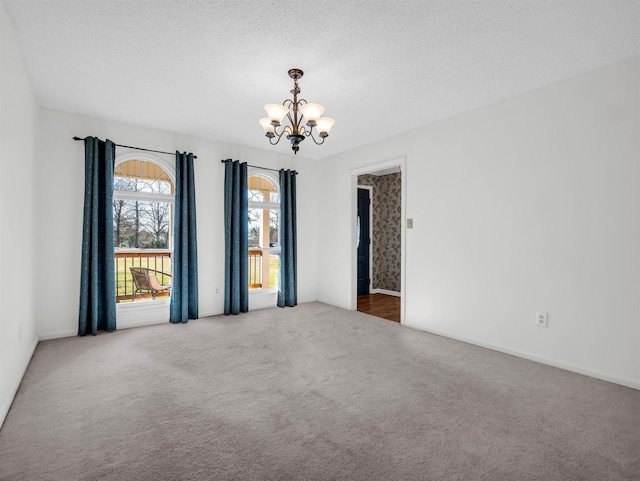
(295, 110)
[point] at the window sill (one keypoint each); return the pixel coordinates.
(143, 313)
(262, 298)
(262, 292)
(122, 306)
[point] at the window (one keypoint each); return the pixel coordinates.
(143, 194)
(264, 213)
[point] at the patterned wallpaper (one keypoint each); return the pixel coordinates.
(387, 226)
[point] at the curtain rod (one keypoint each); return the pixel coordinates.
(140, 148)
(258, 167)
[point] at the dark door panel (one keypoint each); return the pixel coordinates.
(363, 241)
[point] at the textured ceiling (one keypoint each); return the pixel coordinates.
(207, 67)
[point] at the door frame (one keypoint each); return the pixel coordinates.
(370, 189)
(368, 169)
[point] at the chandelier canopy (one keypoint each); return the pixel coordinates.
(296, 110)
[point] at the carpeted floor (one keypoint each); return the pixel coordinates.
(310, 393)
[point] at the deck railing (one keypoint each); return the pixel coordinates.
(156, 259)
(263, 268)
(255, 268)
(160, 260)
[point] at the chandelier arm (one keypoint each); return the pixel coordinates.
(276, 142)
(289, 104)
(291, 122)
(310, 134)
(284, 131)
(300, 122)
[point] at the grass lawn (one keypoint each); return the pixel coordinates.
(274, 266)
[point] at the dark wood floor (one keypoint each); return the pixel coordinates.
(380, 305)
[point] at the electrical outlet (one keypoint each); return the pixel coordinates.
(541, 319)
(217, 290)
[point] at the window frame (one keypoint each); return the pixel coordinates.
(264, 297)
(132, 314)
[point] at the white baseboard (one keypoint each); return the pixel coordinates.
(4, 409)
(542, 360)
(346, 307)
(47, 336)
(384, 291)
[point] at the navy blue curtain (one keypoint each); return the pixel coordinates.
(97, 278)
(184, 286)
(288, 281)
(236, 238)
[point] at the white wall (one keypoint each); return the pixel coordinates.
(530, 204)
(59, 193)
(18, 137)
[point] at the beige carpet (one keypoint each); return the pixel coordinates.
(310, 393)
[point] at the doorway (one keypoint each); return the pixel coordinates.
(378, 275)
